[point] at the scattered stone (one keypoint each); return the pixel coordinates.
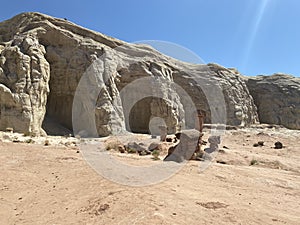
(112, 144)
(188, 145)
(203, 142)
(278, 145)
(258, 144)
(121, 148)
(254, 162)
(67, 135)
(16, 140)
(47, 143)
(153, 146)
(225, 147)
(169, 139)
(29, 141)
(9, 129)
(131, 151)
(201, 155)
(135, 147)
(27, 134)
(144, 152)
(214, 142)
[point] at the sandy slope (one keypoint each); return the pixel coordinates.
(54, 185)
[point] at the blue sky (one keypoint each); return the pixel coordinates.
(254, 36)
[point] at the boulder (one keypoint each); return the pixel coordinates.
(277, 98)
(188, 145)
(135, 147)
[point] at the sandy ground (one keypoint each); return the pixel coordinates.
(55, 185)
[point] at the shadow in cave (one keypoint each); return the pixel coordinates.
(58, 118)
(140, 116)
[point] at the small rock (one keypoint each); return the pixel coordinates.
(10, 129)
(121, 149)
(260, 143)
(131, 151)
(222, 151)
(16, 140)
(221, 162)
(278, 145)
(214, 142)
(145, 152)
(47, 143)
(136, 147)
(153, 146)
(203, 142)
(177, 135)
(169, 140)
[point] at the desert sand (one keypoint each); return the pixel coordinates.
(243, 185)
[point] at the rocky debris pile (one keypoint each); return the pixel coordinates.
(141, 149)
(187, 148)
(32, 43)
(258, 144)
(277, 98)
(66, 141)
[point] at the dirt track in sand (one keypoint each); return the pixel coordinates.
(54, 185)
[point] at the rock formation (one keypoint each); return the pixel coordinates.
(43, 59)
(277, 98)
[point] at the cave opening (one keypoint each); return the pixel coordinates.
(139, 116)
(58, 117)
(143, 118)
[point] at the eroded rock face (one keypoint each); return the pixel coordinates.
(24, 77)
(43, 59)
(277, 98)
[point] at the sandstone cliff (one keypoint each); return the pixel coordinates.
(43, 59)
(277, 98)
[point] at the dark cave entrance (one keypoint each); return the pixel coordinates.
(58, 117)
(147, 115)
(139, 116)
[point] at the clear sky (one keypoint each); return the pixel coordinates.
(254, 36)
